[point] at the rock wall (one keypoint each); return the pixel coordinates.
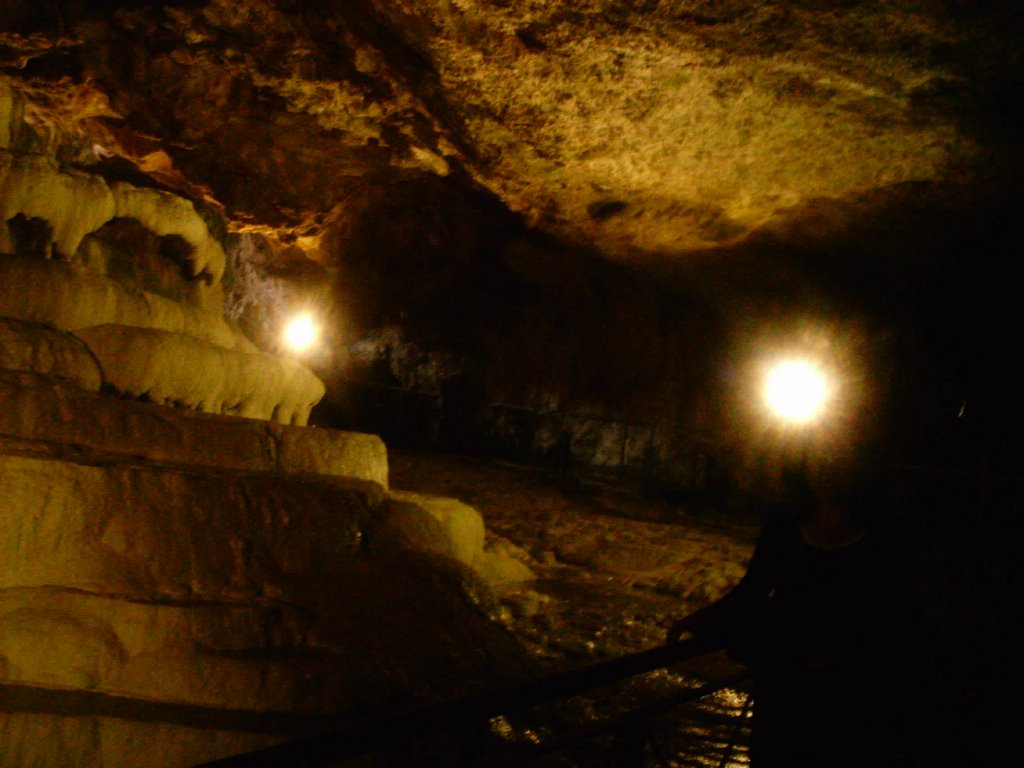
(452, 325)
(207, 578)
(78, 250)
(221, 583)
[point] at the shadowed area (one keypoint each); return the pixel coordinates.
(542, 256)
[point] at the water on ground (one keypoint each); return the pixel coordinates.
(613, 571)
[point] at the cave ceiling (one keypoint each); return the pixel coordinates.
(642, 129)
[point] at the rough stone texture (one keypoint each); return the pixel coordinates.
(330, 452)
(170, 598)
(56, 417)
(36, 740)
(183, 653)
(53, 419)
(151, 533)
(668, 126)
(642, 127)
(39, 349)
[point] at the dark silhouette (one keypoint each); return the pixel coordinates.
(823, 617)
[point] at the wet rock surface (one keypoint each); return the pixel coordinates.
(612, 572)
(762, 160)
(150, 592)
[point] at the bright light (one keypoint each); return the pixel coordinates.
(796, 390)
(301, 333)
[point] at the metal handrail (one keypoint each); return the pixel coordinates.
(365, 734)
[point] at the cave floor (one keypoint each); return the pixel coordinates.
(613, 570)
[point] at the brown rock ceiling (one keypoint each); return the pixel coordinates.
(771, 158)
(637, 127)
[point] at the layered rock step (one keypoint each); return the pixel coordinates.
(53, 415)
(143, 345)
(217, 583)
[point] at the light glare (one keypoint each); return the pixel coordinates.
(796, 391)
(301, 333)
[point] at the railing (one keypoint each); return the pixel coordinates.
(590, 444)
(365, 735)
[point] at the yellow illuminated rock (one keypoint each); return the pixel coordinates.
(153, 532)
(167, 214)
(36, 739)
(449, 528)
(174, 369)
(184, 652)
(149, 345)
(6, 114)
(199, 598)
(101, 427)
(435, 524)
(460, 187)
(75, 204)
(51, 293)
(331, 452)
(38, 349)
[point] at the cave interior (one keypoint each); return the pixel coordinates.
(538, 242)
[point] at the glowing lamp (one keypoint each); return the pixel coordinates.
(796, 391)
(301, 333)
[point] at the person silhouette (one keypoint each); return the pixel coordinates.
(822, 617)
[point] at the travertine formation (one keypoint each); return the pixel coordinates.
(205, 578)
(56, 267)
(76, 204)
(190, 573)
(167, 574)
(62, 422)
(700, 138)
(38, 348)
(57, 295)
(193, 575)
(174, 369)
(450, 529)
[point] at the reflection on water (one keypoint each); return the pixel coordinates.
(714, 732)
(590, 618)
(587, 731)
(611, 576)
